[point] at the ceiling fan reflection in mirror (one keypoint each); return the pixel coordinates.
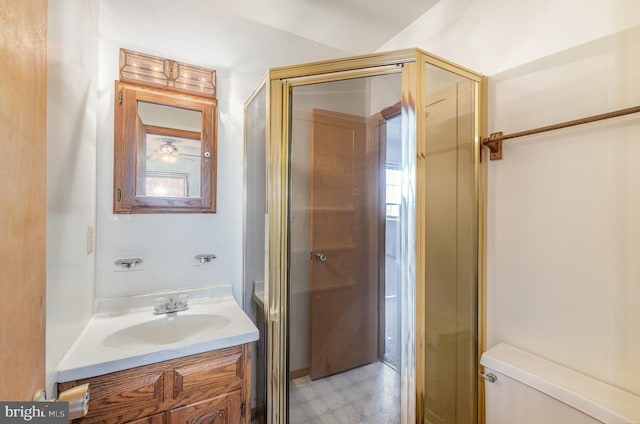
(168, 152)
(165, 149)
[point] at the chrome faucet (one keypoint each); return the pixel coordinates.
(166, 305)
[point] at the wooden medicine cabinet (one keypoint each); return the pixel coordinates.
(165, 144)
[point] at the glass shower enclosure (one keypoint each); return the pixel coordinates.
(363, 239)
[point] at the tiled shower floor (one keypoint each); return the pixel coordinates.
(369, 394)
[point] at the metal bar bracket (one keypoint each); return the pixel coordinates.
(494, 143)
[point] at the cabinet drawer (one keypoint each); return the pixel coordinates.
(123, 396)
(209, 376)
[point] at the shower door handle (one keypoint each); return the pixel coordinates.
(319, 256)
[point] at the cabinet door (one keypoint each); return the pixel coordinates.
(209, 376)
(124, 395)
(220, 410)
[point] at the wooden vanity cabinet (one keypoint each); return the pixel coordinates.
(212, 387)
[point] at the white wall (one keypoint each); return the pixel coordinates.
(563, 233)
(71, 167)
(564, 237)
(490, 36)
(199, 33)
(166, 242)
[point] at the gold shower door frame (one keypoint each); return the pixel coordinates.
(411, 63)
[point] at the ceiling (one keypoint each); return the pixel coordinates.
(356, 26)
(251, 36)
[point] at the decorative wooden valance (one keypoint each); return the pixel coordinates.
(154, 71)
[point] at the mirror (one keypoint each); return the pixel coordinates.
(173, 151)
(165, 151)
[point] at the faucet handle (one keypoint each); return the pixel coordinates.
(164, 305)
(183, 301)
(159, 305)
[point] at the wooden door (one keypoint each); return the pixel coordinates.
(343, 272)
(23, 123)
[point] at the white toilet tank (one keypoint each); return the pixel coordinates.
(529, 389)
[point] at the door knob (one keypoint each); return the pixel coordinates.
(320, 257)
(77, 399)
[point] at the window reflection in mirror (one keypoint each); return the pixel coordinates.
(173, 150)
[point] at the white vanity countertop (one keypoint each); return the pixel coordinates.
(89, 357)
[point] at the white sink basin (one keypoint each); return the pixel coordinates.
(124, 334)
(166, 329)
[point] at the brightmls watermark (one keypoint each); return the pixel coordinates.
(34, 412)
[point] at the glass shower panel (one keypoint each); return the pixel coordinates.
(254, 239)
(393, 240)
(450, 249)
(341, 203)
